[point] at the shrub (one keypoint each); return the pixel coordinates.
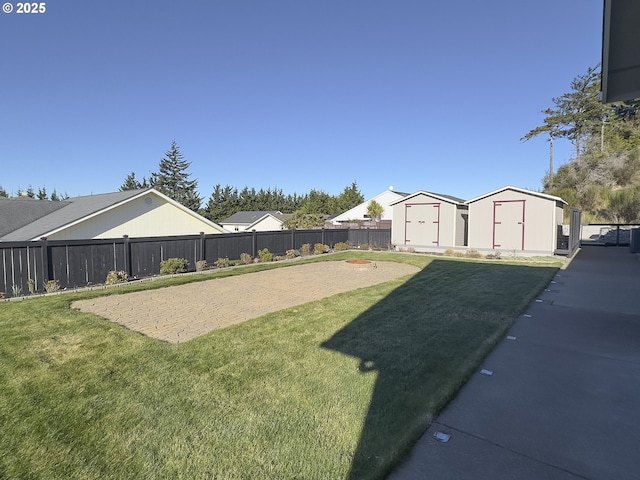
(223, 262)
(245, 258)
(340, 246)
(114, 277)
(16, 290)
(364, 246)
(32, 286)
(319, 248)
(292, 254)
(494, 255)
(201, 265)
(265, 255)
(305, 250)
(474, 254)
(449, 252)
(51, 286)
(173, 265)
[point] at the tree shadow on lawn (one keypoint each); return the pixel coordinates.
(424, 340)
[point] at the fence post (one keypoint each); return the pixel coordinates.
(322, 236)
(203, 253)
(254, 242)
(293, 238)
(44, 254)
(127, 255)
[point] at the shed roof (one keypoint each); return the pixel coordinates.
(439, 196)
(520, 190)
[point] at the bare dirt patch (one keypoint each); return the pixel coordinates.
(180, 313)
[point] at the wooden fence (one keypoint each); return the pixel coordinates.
(78, 263)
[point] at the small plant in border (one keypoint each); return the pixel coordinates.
(245, 258)
(292, 254)
(201, 265)
(173, 265)
(341, 246)
(223, 263)
(320, 248)
(31, 283)
(265, 255)
(305, 250)
(16, 290)
(51, 286)
(115, 277)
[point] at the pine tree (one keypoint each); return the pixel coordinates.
(173, 179)
(42, 193)
(3, 192)
(130, 183)
(30, 192)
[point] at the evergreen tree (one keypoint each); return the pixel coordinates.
(54, 196)
(42, 193)
(349, 198)
(3, 192)
(30, 192)
(131, 183)
(172, 179)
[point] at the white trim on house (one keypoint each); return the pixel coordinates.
(124, 202)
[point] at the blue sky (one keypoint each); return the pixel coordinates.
(289, 94)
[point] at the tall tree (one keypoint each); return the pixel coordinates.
(349, 198)
(42, 193)
(3, 192)
(30, 192)
(131, 183)
(172, 179)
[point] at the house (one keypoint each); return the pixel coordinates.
(260, 221)
(136, 213)
(514, 220)
(427, 221)
(359, 212)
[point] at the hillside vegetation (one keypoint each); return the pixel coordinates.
(603, 177)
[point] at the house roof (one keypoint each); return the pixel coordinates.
(520, 190)
(18, 212)
(51, 217)
(282, 217)
(345, 216)
(439, 196)
(248, 218)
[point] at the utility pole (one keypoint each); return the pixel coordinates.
(550, 160)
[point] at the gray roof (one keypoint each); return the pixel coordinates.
(18, 212)
(247, 218)
(44, 216)
(449, 197)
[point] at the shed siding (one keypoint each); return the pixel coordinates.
(148, 216)
(424, 223)
(496, 222)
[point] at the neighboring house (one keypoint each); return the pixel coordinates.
(259, 221)
(427, 221)
(515, 220)
(136, 213)
(359, 212)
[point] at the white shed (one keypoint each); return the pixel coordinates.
(515, 220)
(427, 221)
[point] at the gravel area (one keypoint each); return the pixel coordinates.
(180, 313)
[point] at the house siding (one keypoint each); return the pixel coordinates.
(147, 216)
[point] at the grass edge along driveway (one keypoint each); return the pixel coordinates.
(338, 388)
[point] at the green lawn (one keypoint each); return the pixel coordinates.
(333, 389)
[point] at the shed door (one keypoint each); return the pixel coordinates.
(508, 224)
(422, 224)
